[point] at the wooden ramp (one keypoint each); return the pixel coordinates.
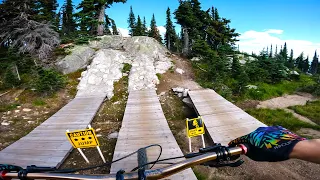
(144, 124)
(47, 144)
(223, 120)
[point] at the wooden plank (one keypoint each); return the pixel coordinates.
(223, 120)
(144, 124)
(47, 144)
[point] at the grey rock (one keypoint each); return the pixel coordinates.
(79, 58)
(178, 90)
(5, 123)
(26, 110)
(113, 135)
(185, 92)
(180, 71)
(188, 102)
(196, 59)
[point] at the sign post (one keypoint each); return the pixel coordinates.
(99, 150)
(80, 151)
(84, 139)
(195, 127)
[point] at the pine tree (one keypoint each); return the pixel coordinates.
(284, 52)
(271, 53)
(154, 32)
(138, 28)
(145, 29)
(100, 8)
(68, 23)
(20, 30)
(306, 65)
(87, 17)
(131, 22)
(276, 53)
(212, 13)
(114, 28)
(216, 15)
(314, 64)
(47, 10)
(299, 62)
(170, 33)
(235, 67)
(290, 63)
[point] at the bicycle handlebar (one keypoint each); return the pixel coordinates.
(150, 174)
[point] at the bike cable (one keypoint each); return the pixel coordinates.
(109, 163)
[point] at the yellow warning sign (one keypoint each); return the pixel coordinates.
(83, 138)
(195, 127)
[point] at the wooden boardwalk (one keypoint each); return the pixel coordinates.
(144, 124)
(47, 144)
(223, 120)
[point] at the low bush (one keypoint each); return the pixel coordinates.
(49, 81)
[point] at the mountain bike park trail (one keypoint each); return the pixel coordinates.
(144, 124)
(223, 120)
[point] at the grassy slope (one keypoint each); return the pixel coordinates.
(267, 91)
(311, 110)
(281, 118)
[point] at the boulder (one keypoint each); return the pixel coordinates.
(188, 102)
(78, 59)
(180, 71)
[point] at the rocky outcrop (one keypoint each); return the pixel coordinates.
(145, 54)
(78, 59)
(105, 69)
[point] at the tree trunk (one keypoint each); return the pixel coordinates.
(101, 20)
(169, 43)
(185, 50)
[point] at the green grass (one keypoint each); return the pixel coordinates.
(281, 118)
(171, 69)
(159, 76)
(39, 102)
(266, 91)
(9, 107)
(199, 175)
(311, 110)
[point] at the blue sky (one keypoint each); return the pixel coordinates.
(261, 23)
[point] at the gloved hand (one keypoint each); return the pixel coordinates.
(273, 143)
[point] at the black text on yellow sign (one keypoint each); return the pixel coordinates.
(83, 138)
(195, 127)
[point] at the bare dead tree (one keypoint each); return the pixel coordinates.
(29, 36)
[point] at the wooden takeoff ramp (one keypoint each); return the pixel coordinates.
(144, 124)
(223, 120)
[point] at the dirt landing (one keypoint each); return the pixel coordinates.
(286, 101)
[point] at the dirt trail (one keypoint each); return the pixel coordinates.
(289, 100)
(286, 101)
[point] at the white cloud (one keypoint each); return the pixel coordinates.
(255, 41)
(274, 31)
(162, 30)
(124, 32)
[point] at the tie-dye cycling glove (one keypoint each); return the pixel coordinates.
(273, 143)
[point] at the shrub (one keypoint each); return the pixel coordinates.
(11, 78)
(126, 67)
(49, 81)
